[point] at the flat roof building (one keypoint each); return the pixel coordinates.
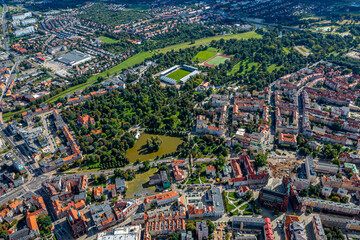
(74, 58)
(124, 233)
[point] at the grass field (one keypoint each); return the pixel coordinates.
(216, 61)
(246, 35)
(273, 67)
(202, 56)
(138, 185)
(169, 145)
(286, 50)
(107, 40)
(178, 74)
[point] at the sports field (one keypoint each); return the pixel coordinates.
(205, 55)
(178, 74)
(107, 40)
(216, 61)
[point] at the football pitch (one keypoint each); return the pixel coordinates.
(216, 61)
(178, 74)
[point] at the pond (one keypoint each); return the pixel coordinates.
(169, 145)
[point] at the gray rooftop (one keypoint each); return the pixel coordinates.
(217, 200)
(74, 57)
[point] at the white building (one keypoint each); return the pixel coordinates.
(326, 191)
(126, 233)
(342, 192)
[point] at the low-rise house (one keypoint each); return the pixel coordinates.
(211, 170)
(98, 192)
(85, 120)
(179, 174)
(326, 191)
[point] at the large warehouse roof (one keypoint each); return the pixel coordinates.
(74, 58)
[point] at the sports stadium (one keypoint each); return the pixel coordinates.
(178, 74)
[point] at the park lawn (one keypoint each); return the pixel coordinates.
(108, 40)
(233, 195)
(139, 182)
(169, 145)
(216, 61)
(229, 207)
(245, 206)
(237, 67)
(286, 50)
(248, 212)
(203, 179)
(202, 56)
(178, 74)
(202, 41)
(273, 67)
(236, 213)
(238, 203)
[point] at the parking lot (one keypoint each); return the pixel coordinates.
(220, 232)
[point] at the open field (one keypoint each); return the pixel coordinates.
(178, 74)
(107, 40)
(273, 67)
(236, 67)
(216, 61)
(138, 186)
(246, 35)
(286, 50)
(169, 145)
(205, 55)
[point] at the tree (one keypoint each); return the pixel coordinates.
(220, 162)
(260, 160)
(32, 208)
(103, 198)
(335, 198)
(190, 227)
(102, 178)
(3, 233)
(175, 236)
(210, 226)
(153, 144)
(44, 222)
(163, 167)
